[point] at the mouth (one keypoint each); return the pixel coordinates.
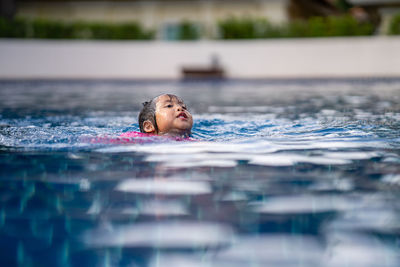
(182, 115)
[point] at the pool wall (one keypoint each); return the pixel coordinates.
(355, 57)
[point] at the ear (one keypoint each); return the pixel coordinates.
(148, 127)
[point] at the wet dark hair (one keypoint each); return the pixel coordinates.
(148, 113)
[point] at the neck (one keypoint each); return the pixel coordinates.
(177, 133)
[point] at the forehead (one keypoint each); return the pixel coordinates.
(168, 98)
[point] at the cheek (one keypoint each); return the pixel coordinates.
(162, 118)
(160, 115)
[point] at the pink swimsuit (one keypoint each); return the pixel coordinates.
(134, 137)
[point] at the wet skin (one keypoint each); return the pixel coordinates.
(172, 116)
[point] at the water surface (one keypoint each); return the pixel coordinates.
(288, 173)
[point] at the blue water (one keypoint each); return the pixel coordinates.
(284, 173)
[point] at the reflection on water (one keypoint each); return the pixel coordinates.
(164, 186)
(288, 173)
(161, 235)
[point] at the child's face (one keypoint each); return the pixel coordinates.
(172, 115)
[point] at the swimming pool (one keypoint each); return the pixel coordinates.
(288, 173)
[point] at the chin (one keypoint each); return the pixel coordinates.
(184, 127)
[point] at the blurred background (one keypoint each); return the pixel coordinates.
(291, 25)
(297, 121)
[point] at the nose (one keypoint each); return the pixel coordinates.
(179, 108)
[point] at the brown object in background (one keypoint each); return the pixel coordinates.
(304, 9)
(214, 71)
(202, 73)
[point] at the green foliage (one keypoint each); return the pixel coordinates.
(231, 28)
(329, 27)
(394, 27)
(44, 30)
(247, 28)
(12, 29)
(47, 29)
(188, 31)
(343, 5)
(252, 28)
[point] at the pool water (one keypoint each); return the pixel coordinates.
(283, 173)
